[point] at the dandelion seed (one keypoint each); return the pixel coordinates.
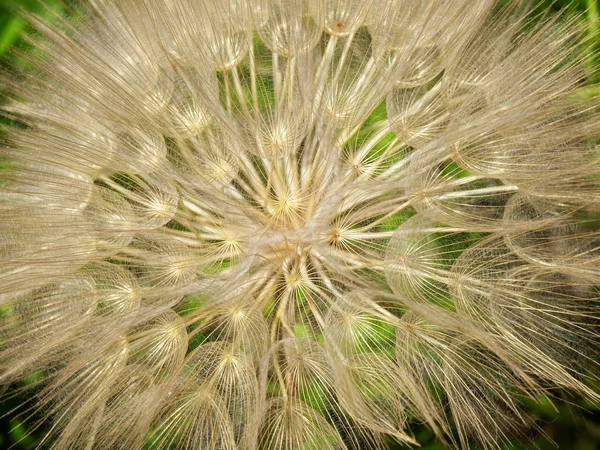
(298, 224)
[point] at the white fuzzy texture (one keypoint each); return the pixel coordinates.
(298, 224)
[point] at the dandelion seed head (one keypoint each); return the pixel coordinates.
(298, 224)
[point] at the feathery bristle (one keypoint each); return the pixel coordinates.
(298, 224)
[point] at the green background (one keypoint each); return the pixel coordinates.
(572, 423)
